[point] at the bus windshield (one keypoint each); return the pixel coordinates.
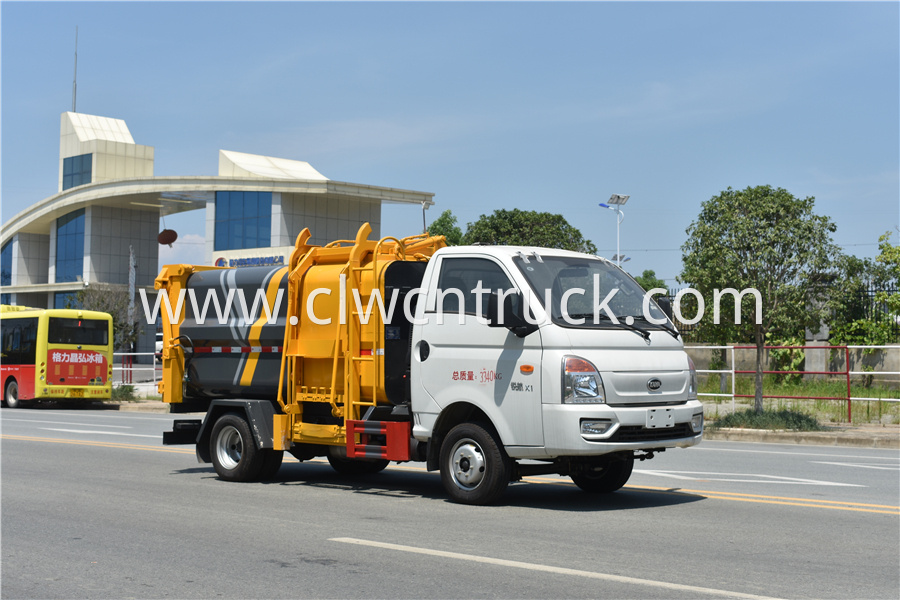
(83, 332)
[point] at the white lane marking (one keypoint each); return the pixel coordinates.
(99, 432)
(861, 466)
(125, 415)
(66, 423)
(759, 478)
(695, 448)
(550, 569)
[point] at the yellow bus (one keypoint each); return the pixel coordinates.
(54, 354)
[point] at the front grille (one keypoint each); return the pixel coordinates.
(634, 433)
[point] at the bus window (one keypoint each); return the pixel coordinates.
(19, 337)
(82, 332)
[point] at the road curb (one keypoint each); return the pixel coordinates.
(889, 439)
(142, 407)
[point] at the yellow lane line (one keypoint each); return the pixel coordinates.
(101, 444)
(713, 495)
(779, 498)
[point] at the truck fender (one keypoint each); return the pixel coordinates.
(450, 417)
(259, 414)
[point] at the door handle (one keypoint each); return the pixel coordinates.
(424, 350)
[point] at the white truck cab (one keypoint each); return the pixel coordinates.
(556, 356)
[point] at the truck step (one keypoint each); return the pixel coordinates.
(394, 434)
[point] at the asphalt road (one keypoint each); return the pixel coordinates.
(93, 506)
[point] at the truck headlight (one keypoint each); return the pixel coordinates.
(692, 384)
(582, 383)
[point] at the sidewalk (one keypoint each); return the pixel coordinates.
(859, 436)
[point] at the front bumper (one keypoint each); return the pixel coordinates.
(628, 430)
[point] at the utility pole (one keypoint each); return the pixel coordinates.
(75, 76)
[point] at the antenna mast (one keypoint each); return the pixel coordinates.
(75, 77)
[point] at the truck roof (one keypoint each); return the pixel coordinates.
(512, 251)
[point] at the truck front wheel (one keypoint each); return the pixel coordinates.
(606, 476)
(233, 450)
(474, 467)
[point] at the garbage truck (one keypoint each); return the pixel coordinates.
(486, 363)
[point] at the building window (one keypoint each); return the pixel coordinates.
(70, 247)
(65, 300)
(76, 170)
(6, 265)
(243, 220)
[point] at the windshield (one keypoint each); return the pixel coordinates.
(588, 289)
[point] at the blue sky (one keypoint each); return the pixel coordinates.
(548, 107)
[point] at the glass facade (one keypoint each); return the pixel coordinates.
(70, 246)
(243, 220)
(65, 300)
(6, 271)
(77, 170)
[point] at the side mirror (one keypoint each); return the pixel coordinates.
(666, 305)
(512, 316)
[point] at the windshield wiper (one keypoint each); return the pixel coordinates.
(671, 331)
(621, 323)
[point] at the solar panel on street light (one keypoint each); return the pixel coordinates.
(618, 199)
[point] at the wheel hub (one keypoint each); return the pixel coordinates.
(229, 447)
(467, 464)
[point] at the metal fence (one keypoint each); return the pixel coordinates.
(127, 371)
(844, 374)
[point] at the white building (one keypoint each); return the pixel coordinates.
(109, 201)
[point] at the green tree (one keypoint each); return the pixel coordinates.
(765, 239)
(111, 299)
(527, 228)
(852, 321)
(648, 280)
(889, 258)
(446, 226)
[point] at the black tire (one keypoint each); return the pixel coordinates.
(357, 466)
(606, 476)
(233, 450)
(475, 468)
(11, 394)
(271, 463)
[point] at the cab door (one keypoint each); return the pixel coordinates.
(458, 358)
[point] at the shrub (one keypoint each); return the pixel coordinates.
(768, 419)
(124, 393)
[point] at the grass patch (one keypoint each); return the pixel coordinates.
(768, 419)
(123, 393)
(826, 411)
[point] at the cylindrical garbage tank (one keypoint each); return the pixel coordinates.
(232, 346)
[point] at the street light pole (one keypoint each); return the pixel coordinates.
(615, 201)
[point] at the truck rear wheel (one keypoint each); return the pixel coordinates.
(357, 466)
(474, 467)
(271, 463)
(233, 450)
(605, 477)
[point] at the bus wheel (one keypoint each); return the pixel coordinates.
(233, 450)
(11, 394)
